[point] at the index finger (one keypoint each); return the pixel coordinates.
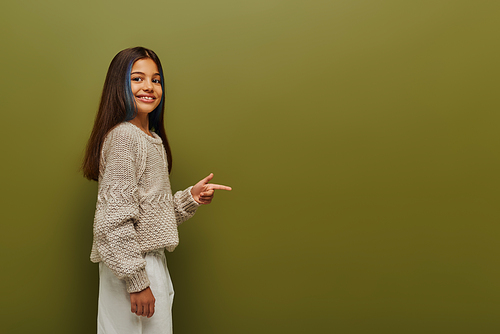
(218, 187)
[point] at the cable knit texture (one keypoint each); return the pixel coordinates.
(135, 211)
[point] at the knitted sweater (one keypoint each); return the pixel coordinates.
(135, 211)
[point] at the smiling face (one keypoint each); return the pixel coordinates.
(145, 82)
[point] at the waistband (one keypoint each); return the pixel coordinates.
(157, 252)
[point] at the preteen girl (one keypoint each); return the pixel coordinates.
(136, 214)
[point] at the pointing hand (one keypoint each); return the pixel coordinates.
(203, 192)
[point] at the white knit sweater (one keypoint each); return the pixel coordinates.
(135, 211)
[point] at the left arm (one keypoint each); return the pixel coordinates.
(184, 205)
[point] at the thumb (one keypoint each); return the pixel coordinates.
(208, 178)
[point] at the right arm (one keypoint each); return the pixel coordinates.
(118, 208)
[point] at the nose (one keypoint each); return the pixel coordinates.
(148, 85)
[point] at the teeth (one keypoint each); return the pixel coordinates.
(146, 97)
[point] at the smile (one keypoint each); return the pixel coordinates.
(146, 98)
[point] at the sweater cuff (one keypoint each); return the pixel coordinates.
(137, 282)
(187, 201)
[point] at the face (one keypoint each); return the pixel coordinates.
(145, 82)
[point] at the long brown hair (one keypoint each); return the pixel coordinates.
(118, 105)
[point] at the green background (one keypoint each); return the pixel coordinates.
(360, 139)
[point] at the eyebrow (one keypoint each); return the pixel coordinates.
(143, 73)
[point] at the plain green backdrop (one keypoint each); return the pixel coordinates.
(360, 138)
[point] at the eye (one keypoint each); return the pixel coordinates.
(157, 81)
(136, 79)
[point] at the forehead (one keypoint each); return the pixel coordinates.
(145, 65)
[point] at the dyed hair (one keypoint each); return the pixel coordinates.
(118, 105)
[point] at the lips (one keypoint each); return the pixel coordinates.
(146, 98)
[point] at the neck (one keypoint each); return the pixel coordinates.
(142, 122)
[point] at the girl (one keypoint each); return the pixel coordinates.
(136, 215)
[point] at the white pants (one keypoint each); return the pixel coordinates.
(114, 315)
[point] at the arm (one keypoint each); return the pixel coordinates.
(184, 205)
(118, 207)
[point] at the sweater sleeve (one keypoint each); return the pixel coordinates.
(184, 205)
(118, 208)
